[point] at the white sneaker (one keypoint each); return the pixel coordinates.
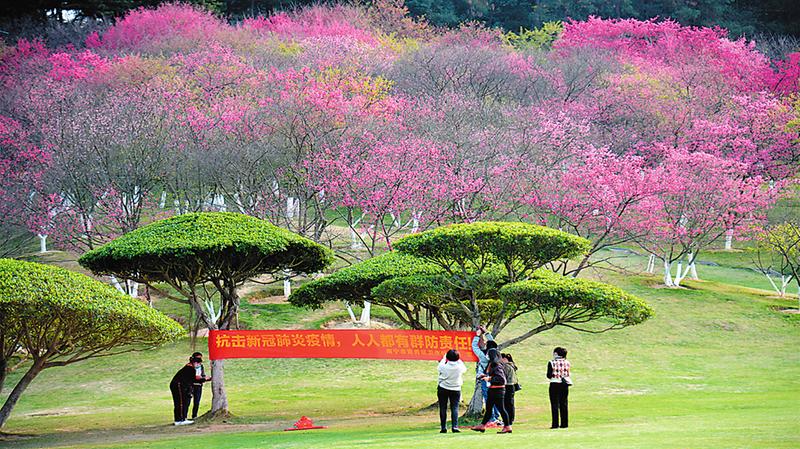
(184, 423)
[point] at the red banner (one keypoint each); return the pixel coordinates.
(340, 344)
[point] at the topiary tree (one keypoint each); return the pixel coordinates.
(354, 285)
(205, 257)
(487, 272)
(60, 317)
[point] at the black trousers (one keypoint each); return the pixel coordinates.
(454, 397)
(181, 395)
(508, 403)
(496, 398)
(197, 393)
(559, 393)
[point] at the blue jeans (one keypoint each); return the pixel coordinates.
(485, 392)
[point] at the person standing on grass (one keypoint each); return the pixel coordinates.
(181, 389)
(496, 377)
(512, 384)
(451, 377)
(558, 371)
(481, 343)
(199, 378)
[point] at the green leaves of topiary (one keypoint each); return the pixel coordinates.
(71, 314)
(520, 247)
(355, 283)
(200, 247)
(575, 302)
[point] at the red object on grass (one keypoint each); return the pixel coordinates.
(304, 423)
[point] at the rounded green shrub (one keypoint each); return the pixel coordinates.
(206, 245)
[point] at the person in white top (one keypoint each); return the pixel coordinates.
(451, 377)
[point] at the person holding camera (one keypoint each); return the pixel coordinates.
(481, 344)
(451, 372)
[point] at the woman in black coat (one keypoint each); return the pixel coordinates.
(496, 377)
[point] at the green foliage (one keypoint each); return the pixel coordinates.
(356, 282)
(60, 306)
(420, 289)
(541, 38)
(206, 245)
(519, 247)
(573, 302)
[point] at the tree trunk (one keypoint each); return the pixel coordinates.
(475, 407)
(42, 243)
(693, 271)
(651, 264)
(667, 274)
(219, 399)
(365, 314)
(23, 383)
(3, 373)
(729, 239)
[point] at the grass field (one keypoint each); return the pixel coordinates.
(717, 367)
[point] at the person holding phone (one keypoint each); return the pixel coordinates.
(451, 372)
(199, 379)
(481, 343)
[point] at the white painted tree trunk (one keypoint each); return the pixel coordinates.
(116, 284)
(219, 203)
(163, 202)
(651, 264)
(693, 271)
(287, 285)
(681, 272)
(350, 312)
(42, 243)
(729, 239)
(365, 314)
(668, 274)
(290, 207)
(415, 223)
(355, 242)
(128, 287)
(784, 283)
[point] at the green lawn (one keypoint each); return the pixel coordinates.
(718, 366)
